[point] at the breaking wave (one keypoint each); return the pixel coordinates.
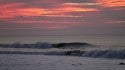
(120, 54)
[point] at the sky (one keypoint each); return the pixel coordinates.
(62, 17)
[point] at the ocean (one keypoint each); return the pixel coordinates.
(92, 59)
(97, 40)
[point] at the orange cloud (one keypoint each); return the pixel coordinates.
(32, 12)
(12, 10)
(82, 4)
(74, 9)
(111, 3)
(44, 12)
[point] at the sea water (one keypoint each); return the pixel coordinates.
(41, 62)
(97, 40)
(45, 62)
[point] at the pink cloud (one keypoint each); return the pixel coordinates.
(14, 9)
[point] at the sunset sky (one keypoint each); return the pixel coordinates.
(62, 17)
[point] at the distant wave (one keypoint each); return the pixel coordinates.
(45, 45)
(42, 45)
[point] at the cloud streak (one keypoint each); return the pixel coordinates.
(12, 10)
(112, 3)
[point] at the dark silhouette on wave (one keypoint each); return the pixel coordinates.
(71, 45)
(121, 63)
